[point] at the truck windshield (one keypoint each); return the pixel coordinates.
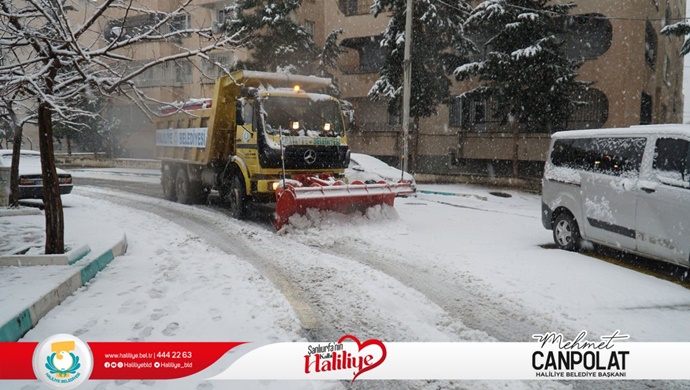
(302, 116)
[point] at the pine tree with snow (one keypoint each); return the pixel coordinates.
(438, 44)
(275, 40)
(524, 71)
(680, 29)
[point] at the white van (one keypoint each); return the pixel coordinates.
(627, 189)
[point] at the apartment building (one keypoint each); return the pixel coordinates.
(176, 81)
(637, 77)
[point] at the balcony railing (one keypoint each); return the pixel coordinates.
(355, 7)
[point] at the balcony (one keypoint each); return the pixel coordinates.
(355, 7)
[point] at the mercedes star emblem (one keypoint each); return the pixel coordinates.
(310, 156)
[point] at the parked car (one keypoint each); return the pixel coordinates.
(628, 189)
(30, 178)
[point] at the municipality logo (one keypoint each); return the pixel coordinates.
(62, 361)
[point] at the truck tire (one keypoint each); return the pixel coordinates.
(238, 199)
(168, 184)
(182, 187)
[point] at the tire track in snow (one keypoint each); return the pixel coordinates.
(317, 284)
(231, 244)
(463, 297)
(318, 316)
(313, 281)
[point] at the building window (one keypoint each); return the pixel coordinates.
(455, 114)
(480, 37)
(479, 112)
(592, 113)
(349, 7)
(178, 23)
(394, 119)
(183, 72)
(124, 29)
(212, 67)
(222, 16)
(355, 7)
(650, 45)
(646, 109)
(587, 36)
(156, 76)
(133, 26)
(309, 27)
(371, 56)
(469, 114)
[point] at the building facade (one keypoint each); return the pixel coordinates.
(636, 75)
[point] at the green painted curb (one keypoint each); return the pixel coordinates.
(17, 327)
(88, 272)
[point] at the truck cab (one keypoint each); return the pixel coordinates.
(286, 128)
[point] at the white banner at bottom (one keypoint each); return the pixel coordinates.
(373, 359)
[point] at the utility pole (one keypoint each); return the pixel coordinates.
(407, 79)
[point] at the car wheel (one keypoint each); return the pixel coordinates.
(182, 187)
(566, 232)
(238, 198)
(168, 183)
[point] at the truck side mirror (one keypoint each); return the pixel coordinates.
(238, 113)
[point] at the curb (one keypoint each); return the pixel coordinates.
(17, 327)
(14, 212)
(484, 198)
(67, 258)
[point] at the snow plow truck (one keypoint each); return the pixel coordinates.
(264, 138)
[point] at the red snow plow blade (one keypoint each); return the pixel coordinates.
(314, 193)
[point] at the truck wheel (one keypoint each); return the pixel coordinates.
(182, 187)
(238, 198)
(168, 183)
(566, 232)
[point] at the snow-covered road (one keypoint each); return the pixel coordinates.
(435, 268)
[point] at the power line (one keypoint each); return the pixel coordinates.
(583, 16)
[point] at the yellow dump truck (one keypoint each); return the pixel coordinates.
(264, 138)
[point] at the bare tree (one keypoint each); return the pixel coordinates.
(50, 58)
(15, 124)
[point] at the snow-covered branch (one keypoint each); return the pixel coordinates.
(44, 56)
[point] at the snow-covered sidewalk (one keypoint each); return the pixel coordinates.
(169, 286)
(166, 273)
